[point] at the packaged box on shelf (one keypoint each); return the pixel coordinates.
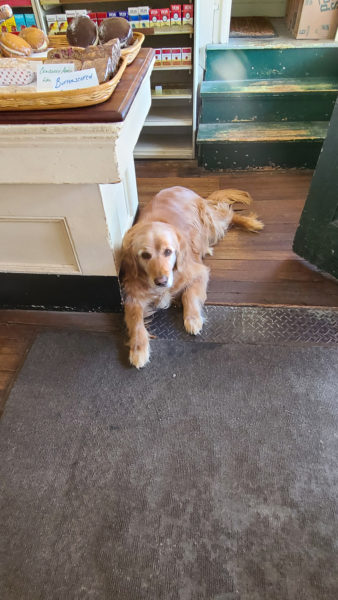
(175, 15)
(112, 13)
(100, 17)
(30, 20)
(70, 14)
(165, 17)
(166, 56)
(155, 17)
(93, 16)
(158, 57)
(143, 12)
(52, 24)
(20, 21)
(186, 56)
(176, 56)
(9, 25)
(311, 20)
(187, 14)
(62, 23)
(133, 16)
(123, 14)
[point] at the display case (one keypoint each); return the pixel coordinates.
(170, 128)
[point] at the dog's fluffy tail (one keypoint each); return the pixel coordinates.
(229, 196)
(221, 201)
(249, 222)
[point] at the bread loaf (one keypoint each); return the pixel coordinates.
(5, 12)
(13, 46)
(111, 51)
(67, 53)
(116, 27)
(82, 31)
(35, 38)
(16, 76)
(103, 67)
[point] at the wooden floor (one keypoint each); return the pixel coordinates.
(246, 269)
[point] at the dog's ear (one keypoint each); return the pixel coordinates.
(129, 264)
(181, 252)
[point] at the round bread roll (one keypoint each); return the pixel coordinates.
(116, 27)
(14, 46)
(82, 32)
(35, 38)
(5, 12)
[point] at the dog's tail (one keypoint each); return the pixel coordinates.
(221, 201)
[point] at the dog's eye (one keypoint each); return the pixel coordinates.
(146, 255)
(167, 252)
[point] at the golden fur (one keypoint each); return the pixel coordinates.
(162, 257)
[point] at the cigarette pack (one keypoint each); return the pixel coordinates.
(166, 56)
(52, 24)
(176, 56)
(9, 25)
(175, 15)
(101, 16)
(188, 14)
(143, 12)
(186, 56)
(165, 17)
(133, 16)
(62, 23)
(70, 14)
(30, 20)
(20, 21)
(155, 17)
(158, 57)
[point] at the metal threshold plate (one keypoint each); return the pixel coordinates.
(252, 325)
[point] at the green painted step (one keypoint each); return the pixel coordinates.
(255, 145)
(261, 132)
(287, 99)
(224, 63)
(285, 85)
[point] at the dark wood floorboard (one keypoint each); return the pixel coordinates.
(246, 269)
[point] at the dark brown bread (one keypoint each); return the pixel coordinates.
(116, 27)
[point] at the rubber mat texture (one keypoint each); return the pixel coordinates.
(209, 475)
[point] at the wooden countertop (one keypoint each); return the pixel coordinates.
(112, 111)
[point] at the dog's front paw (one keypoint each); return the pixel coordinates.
(193, 325)
(139, 354)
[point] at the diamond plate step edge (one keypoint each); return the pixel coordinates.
(252, 325)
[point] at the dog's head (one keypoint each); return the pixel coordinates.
(153, 250)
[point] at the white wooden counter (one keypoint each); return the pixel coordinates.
(68, 192)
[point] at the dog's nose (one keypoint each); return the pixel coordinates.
(161, 280)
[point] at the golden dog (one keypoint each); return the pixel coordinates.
(162, 257)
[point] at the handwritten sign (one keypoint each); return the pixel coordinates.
(60, 78)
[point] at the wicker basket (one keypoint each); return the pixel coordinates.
(60, 41)
(132, 51)
(67, 99)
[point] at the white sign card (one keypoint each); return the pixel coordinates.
(61, 79)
